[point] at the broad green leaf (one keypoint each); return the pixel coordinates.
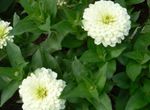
(71, 42)
(16, 19)
(34, 10)
(101, 52)
(139, 56)
(27, 5)
(53, 42)
(100, 78)
(133, 70)
(134, 55)
(111, 68)
(84, 106)
(121, 80)
(114, 52)
(146, 28)
(146, 88)
(85, 89)
(14, 55)
(62, 27)
(142, 42)
(50, 7)
(3, 54)
(148, 3)
(46, 26)
(79, 91)
(135, 16)
(137, 101)
(121, 2)
(30, 49)
(50, 62)
(37, 60)
(121, 100)
(91, 45)
(89, 56)
(9, 91)
(132, 2)
(8, 72)
(79, 70)
(25, 25)
(106, 102)
(3, 83)
(69, 14)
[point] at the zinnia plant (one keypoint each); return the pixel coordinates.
(75, 55)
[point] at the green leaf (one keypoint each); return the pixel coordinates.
(89, 56)
(26, 5)
(50, 62)
(146, 28)
(53, 42)
(142, 42)
(8, 72)
(139, 56)
(70, 14)
(91, 45)
(46, 26)
(105, 101)
(137, 101)
(101, 52)
(146, 88)
(85, 89)
(14, 55)
(133, 70)
(50, 6)
(3, 54)
(121, 100)
(91, 88)
(62, 27)
(111, 68)
(100, 78)
(148, 3)
(79, 70)
(121, 80)
(37, 60)
(79, 91)
(114, 52)
(3, 83)
(135, 16)
(9, 91)
(121, 2)
(25, 25)
(133, 2)
(16, 19)
(71, 42)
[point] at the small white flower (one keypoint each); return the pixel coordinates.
(106, 22)
(4, 33)
(61, 2)
(41, 91)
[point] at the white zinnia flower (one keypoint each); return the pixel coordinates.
(106, 22)
(4, 33)
(41, 91)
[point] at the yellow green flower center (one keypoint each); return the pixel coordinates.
(2, 32)
(107, 19)
(41, 92)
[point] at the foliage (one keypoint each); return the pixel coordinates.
(98, 78)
